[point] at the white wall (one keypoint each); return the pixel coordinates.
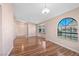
(51, 30)
(31, 30)
(0, 30)
(8, 30)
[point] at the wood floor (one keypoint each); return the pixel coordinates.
(37, 46)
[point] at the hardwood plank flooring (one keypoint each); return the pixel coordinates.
(37, 46)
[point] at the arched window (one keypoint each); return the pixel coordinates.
(67, 28)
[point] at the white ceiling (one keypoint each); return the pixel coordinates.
(32, 11)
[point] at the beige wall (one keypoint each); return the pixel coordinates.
(22, 28)
(8, 31)
(0, 30)
(31, 30)
(51, 30)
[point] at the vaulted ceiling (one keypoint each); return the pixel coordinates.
(32, 12)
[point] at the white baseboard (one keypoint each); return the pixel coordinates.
(65, 46)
